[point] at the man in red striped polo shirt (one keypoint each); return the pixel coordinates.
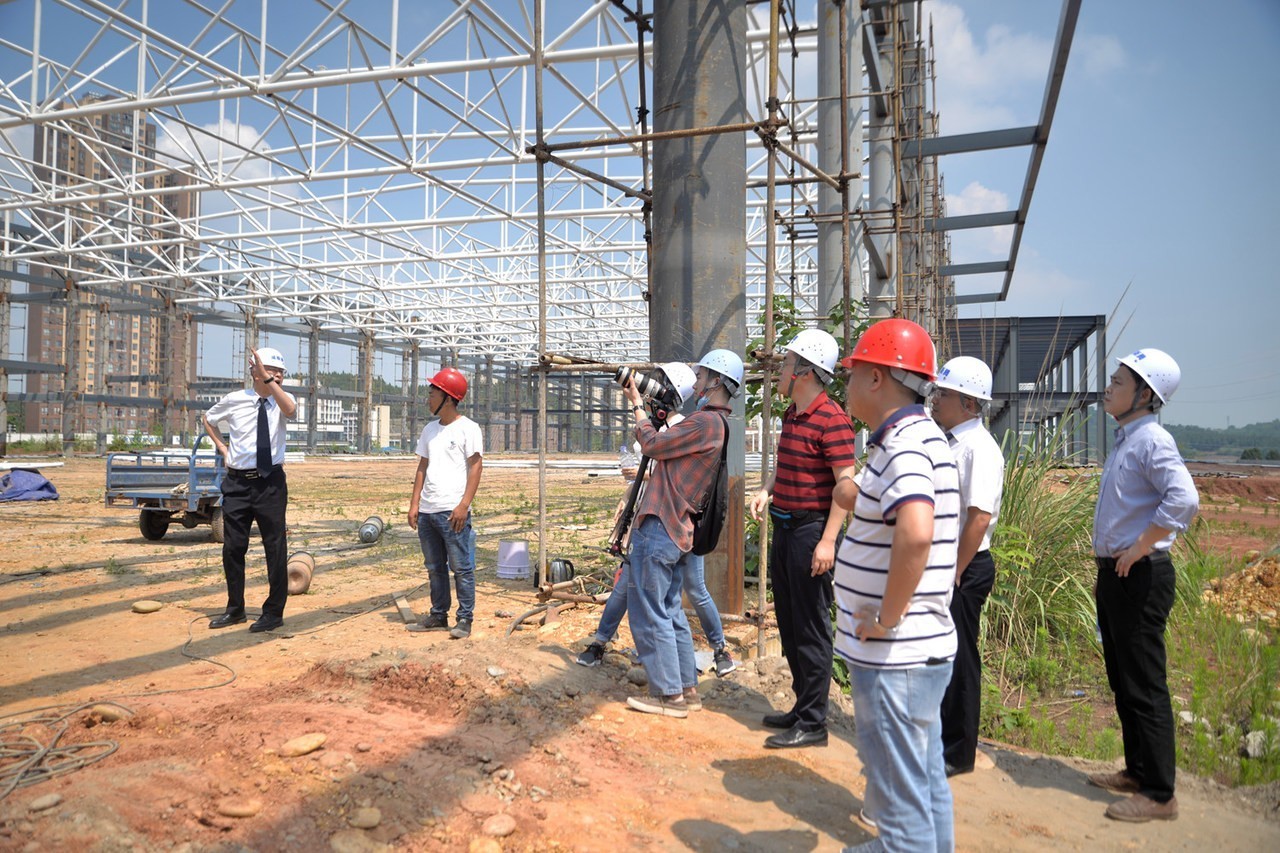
(816, 446)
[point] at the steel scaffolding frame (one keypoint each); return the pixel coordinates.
(419, 192)
(343, 177)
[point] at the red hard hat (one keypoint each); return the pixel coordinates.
(896, 343)
(451, 381)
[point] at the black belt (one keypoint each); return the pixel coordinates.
(798, 516)
(1110, 562)
(252, 473)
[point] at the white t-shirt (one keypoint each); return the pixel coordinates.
(907, 460)
(447, 448)
(237, 416)
(981, 469)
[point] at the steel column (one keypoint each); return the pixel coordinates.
(313, 384)
(698, 300)
(841, 112)
(71, 366)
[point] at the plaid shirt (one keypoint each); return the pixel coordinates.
(687, 455)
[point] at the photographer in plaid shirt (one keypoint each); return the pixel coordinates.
(686, 456)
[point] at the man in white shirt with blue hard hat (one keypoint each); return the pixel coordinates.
(254, 488)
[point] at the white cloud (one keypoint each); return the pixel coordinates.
(996, 79)
(1041, 289)
(15, 142)
(1099, 55)
(976, 198)
(220, 143)
(985, 83)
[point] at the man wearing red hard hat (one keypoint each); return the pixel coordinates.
(894, 577)
(450, 460)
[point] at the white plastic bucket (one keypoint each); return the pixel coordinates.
(513, 559)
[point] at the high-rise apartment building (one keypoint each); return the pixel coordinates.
(119, 347)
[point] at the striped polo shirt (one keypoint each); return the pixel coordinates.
(811, 444)
(908, 459)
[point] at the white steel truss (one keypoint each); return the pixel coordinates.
(363, 165)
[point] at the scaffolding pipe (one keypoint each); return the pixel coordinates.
(539, 10)
(766, 386)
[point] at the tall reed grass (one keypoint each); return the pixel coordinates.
(1043, 553)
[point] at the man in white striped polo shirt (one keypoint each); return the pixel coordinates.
(894, 577)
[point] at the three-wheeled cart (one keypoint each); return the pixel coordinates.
(168, 484)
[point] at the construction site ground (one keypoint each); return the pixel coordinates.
(497, 742)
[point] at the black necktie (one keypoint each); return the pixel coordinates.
(264, 439)
(951, 439)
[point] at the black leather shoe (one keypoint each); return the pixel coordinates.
(796, 737)
(952, 770)
(780, 721)
(227, 619)
(266, 622)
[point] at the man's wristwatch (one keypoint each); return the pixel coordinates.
(885, 627)
(638, 408)
(268, 380)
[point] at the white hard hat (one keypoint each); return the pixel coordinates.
(681, 377)
(816, 347)
(1156, 368)
(727, 364)
(271, 357)
(966, 374)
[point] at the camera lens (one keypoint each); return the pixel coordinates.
(648, 387)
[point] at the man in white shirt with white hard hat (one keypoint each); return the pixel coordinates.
(254, 488)
(961, 395)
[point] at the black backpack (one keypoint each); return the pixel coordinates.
(709, 520)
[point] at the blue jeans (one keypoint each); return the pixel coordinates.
(695, 585)
(898, 725)
(658, 623)
(442, 551)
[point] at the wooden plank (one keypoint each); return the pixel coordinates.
(406, 612)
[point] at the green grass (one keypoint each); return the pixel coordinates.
(1225, 673)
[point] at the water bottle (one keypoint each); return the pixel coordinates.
(628, 462)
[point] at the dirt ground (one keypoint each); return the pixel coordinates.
(499, 742)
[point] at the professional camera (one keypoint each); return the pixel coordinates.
(649, 387)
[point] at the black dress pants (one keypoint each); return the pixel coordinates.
(1132, 614)
(962, 703)
(245, 501)
(802, 604)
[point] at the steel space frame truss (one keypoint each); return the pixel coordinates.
(363, 166)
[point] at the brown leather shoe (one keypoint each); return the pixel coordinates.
(1120, 782)
(1140, 809)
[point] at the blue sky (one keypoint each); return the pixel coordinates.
(1160, 176)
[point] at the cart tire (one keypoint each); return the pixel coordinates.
(215, 522)
(153, 525)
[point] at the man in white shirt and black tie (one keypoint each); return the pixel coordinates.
(254, 488)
